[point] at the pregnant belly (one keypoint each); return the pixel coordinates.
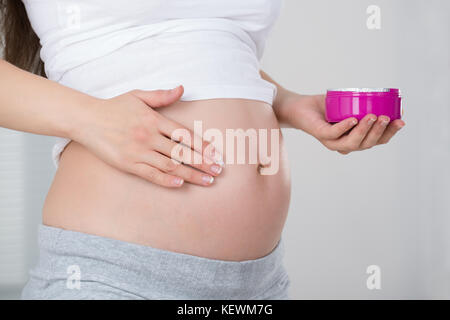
(239, 217)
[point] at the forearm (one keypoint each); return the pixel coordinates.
(34, 104)
(281, 105)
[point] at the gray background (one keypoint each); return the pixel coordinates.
(387, 206)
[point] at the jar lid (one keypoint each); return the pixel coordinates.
(361, 89)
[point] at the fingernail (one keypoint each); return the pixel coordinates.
(178, 181)
(354, 122)
(216, 169)
(175, 89)
(218, 159)
(220, 162)
(208, 179)
(384, 122)
(372, 120)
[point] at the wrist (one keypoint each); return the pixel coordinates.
(283, 106)
(78, 120)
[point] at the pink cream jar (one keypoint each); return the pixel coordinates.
(358, 102)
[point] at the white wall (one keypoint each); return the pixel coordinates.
(26, 172)
(387, 206)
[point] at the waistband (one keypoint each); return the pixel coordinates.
(156, 273)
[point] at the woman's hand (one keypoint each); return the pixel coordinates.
(307, 112)
(127, 133)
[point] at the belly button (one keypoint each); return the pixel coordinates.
(261, 167)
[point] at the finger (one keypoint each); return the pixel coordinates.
(375, 133)
(356, 136)
(332, 132)
(176, 168)
(161, 162)
(184, 154)
(156, 176)
(159, 98)
(194, 176)
(179, 133)
(391, 130)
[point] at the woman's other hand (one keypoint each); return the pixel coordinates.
(127, 133)
(307, 112)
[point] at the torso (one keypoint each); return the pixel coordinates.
(239, 217)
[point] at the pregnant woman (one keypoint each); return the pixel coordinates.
(126, 217)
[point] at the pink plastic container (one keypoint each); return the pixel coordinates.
(358, 102)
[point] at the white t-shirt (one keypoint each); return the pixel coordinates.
(108, 47)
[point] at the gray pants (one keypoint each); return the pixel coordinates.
(74, 265)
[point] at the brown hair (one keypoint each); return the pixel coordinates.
(20, 44)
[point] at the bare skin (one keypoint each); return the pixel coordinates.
(239, 217)
(116, 178)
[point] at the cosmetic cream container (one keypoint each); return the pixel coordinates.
(358, 102)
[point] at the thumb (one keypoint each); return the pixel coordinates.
(159, 98)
